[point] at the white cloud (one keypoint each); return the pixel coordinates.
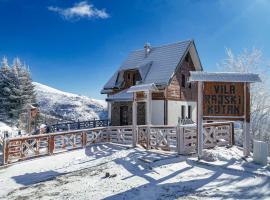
(79, 10)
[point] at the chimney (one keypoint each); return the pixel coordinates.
(147, 49)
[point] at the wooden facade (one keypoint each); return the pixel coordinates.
(179, 89)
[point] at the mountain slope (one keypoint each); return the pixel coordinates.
(67, 106)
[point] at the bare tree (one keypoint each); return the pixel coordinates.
(252, 61)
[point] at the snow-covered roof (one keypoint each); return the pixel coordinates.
(142, 88)
(224, 77)
(159, 65)
(121, 96)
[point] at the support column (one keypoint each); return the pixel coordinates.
(109, 112)
(200, 120)
(246, 131)
(134, 120)
(149, 108)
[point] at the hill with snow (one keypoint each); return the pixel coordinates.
(67, 106)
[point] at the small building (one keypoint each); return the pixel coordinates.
(161, 72)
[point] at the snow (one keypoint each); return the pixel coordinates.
(134, 173)
(68, 106)
(4, 128)
(224, 77)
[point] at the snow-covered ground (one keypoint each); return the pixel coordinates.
(4, 128)
(68, 106)
(134, 173)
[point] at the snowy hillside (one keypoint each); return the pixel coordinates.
(63, 105)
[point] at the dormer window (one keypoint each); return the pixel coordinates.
(131, 77)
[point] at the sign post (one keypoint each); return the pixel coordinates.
(224, 96)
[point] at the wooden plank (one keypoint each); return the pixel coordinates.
(223, 99)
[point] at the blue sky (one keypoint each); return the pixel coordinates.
(76, 46)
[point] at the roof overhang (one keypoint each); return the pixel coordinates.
(121, 96)
(198, 76)
(142, 88)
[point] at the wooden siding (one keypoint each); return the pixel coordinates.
(175, 91)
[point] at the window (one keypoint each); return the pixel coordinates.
(183, 112)
(187, 58)
(183, 80)
(189, 112)
(134, 79)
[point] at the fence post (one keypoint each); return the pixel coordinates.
(84, 139)
(51, 144)
(5, 151)
(178, 145)
(148, 137)
(108, 133)
(78, 125)
(94, 123)
(232, 134)
(134, 136)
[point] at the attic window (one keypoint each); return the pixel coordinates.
(187, 57)
(183, 81)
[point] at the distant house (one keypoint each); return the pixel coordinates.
(165, 68)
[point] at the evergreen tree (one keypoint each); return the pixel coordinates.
(9, 93)
(4, 92)
(27, 87)
(16, 90)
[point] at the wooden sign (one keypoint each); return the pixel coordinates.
(223, 99)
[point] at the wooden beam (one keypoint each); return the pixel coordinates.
(134, 121)
(246, 142)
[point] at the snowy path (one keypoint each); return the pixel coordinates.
(134, 174)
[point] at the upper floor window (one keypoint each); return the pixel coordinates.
(130, 78)
(189, 112)
(183, 81)
(183, 112)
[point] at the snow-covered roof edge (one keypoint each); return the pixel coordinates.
(224, 77)
(142, 88)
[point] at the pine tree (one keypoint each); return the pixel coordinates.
(3, 90)
(8, 93)
(27, 87)
(16, 90)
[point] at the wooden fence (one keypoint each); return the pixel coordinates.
(181, 139)
(77, 125)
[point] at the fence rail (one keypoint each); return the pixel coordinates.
(77, 125)
(181, 139)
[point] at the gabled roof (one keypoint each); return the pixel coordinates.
(159, 65)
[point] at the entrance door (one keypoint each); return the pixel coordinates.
(123, 115)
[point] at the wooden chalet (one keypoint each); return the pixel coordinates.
(152, 87)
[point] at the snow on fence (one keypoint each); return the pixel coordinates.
(181, 139)
(77, 125)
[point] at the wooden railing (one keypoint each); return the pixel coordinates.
(182, 139)
(158, 137)
(77, 125)
(21, 148)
